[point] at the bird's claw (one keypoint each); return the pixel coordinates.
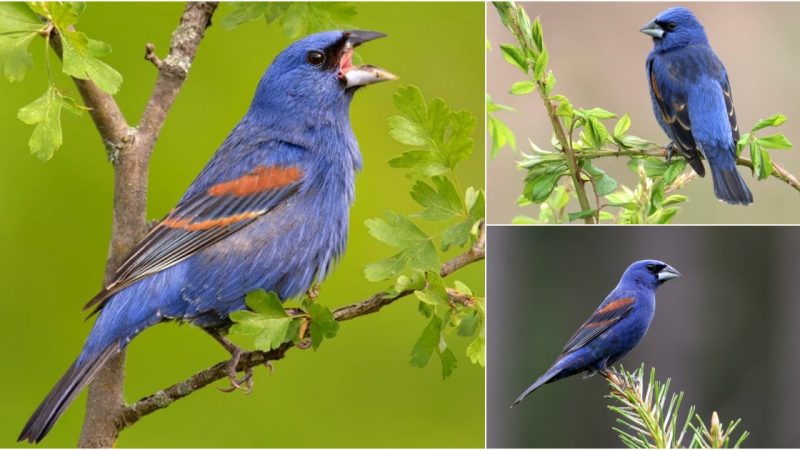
(304, 343)
(671, 148)
(246, 382)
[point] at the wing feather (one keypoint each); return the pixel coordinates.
(600, 321)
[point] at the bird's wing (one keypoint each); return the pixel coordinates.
(202, 220)
(726, 92)
(672, 100)
(600, 321)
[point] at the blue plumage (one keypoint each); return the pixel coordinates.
(615, 328)
(692, 100)
(269, 211)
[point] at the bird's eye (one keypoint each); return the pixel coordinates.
(671, 26)
(315, 58)
(652, 268)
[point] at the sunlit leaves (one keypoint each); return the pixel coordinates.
(296, 19)
(45, 114)
(499, 132)
(759, 156)
(416, 248)
(18, 26)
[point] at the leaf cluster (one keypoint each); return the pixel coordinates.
(270, 324)
(81, 56)
(295, 18)
(439, 139)
(649, 415)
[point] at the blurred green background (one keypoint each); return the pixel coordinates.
(725, 331)
(358, 390)
(597, 55)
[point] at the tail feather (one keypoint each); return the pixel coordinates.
(549, 376)
(730, 187)
(79, 374)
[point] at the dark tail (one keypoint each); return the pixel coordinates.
(79, 374)
(729, 186)
(549, 376)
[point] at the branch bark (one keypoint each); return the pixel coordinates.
(130, 150)
(165, 397)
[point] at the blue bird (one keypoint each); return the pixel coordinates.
(615, 328)
(692, 100)
(270, 210)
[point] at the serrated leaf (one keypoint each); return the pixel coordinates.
(522, 87)
(476, 351)
(45, 114)
(79, 62)
(267, 321)
(18, 26)
(323, 325)
(541, 180)
(244, 12)
(676, 168)
(417, 250)
(449, 362)
(303, 18)
(776, 141)
(274, 333)
(441, 201)
(459, 234)
(469, 323)
(265, 303)
(774, 121)
(426, 343)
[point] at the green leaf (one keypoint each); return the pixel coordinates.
(602, 182)
(244, 12)
(673, 170)
(469, 323)
(441, 201)
(523, 220)
(514, 56)
(541, 65)
(595, 133)
(476, 351)
(459, 234)
(414, 282)
(45, 114)
(449, 362)
(417, 250)
(776, 141)
(501, 135)
(653, 167)
(522, 87)
(774, 121)
(599, 113)
(622, 126)
(304, 18)
(323, 325)
(582, 214)
(426, 343)
(434, 292)
(18, 26)
(267, 321)
(537, 33)
(541, 180)
(549, 83)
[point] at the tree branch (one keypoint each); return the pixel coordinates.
(165, 397)
(130, 150)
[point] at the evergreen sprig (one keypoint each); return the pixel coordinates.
(649, 415)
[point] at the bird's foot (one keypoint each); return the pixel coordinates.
(246, 382)
(671, 149)
(303, 340)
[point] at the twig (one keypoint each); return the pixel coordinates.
(150, 55)
(130, 150)
(163, 398)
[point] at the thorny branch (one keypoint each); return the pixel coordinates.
(163, 398)
(130, 148)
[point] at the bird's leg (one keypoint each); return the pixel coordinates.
(236, 354)
(671, 148)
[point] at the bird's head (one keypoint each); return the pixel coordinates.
(317, 73)
(675, 28)
(650, 272)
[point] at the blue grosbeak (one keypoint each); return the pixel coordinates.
(270, 211)
(692, 100)
(615, 328)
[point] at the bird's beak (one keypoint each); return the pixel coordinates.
(668, 273)
(653, 29)
(356, 76)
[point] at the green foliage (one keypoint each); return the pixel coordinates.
(19, 24)
(271, 326)
(500, 133)
(587, 136)
(295, 18)
(650, 421)
(440, 139)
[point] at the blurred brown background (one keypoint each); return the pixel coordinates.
(597, 55)
(725, 331)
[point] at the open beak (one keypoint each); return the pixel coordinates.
(668, 273)
(653, 29)
(356, 76)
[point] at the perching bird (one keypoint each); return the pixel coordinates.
(615, 328)
(270, 211)
(692, 100)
